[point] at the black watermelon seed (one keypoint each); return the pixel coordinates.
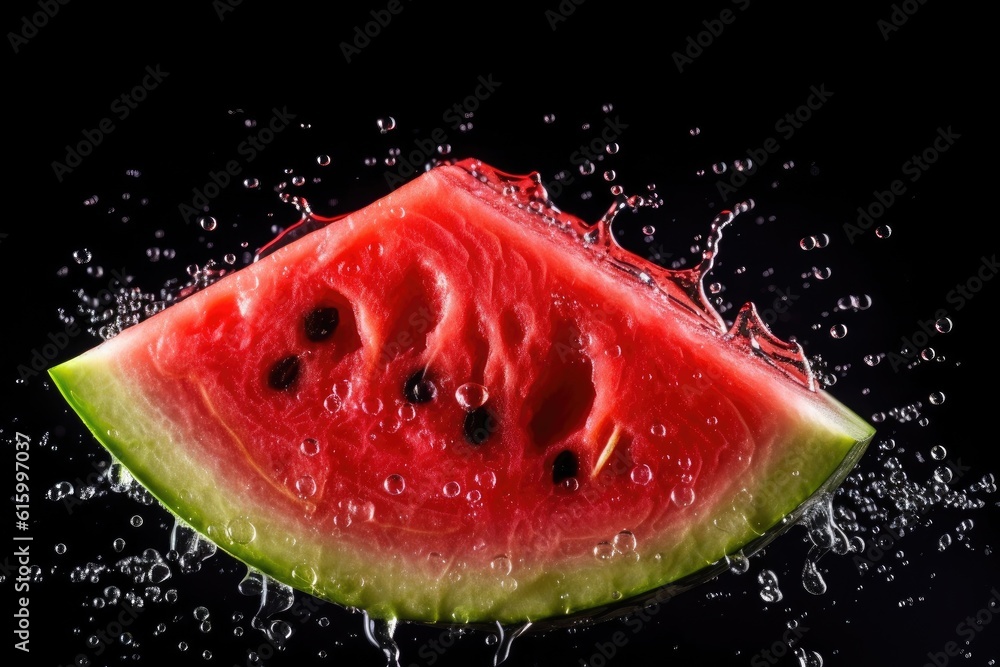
(321, 323)
(284, 373)
(418, 389)
(564, 467)
(480, 425)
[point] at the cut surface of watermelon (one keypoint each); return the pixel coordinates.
(460, 404)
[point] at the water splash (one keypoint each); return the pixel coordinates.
(379, 633)
(506, 637)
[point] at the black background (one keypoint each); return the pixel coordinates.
(891, 89)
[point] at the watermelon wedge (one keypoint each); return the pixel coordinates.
(460, 404)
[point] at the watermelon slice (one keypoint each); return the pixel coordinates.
(460, 404)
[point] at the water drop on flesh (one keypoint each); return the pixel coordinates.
(394, 484)
(471, 395)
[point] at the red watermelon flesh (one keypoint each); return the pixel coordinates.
(461, 404)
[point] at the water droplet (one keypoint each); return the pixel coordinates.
(208, 223)
(386, 124)
(659, 430)
(936, 398)
(406, 412)
(451, 489)
(604, 551)
(641, 474)
(333, 403)
(136, 521)
(201, 613)
(944, 542)
(118, 544)
(938, 452)
(251, 183)
(60, 548)
(883, 231)
(682, 496)
(305, 486)
(82, 256)
(323, 160)
(394, 484)
(649, 230)
(838, 330)
(471, 395)
(309, 447)
(719, 167)
(486, 480)
(625, 542)
(807, 242)
(501, 565)
(371, 406)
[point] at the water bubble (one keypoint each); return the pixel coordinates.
(812, 580)
(821, 273)
(943, 475)
(838, 330)
(658, 430)
(118, 544)
(201, 613)
(371, 406)
(406, 412)
(471, 395)
(323, 160)
(944, 542)
(451, 489)
(251, 183)
(549, 118)
(136, 521)
(743, 165)
(82, 256)
(386, 124)
(719, 167)
(938, 452)
(649, 230)
(943, 325)
(928, 354)
(808, 658)
(883, 231)
(807, 242)
(60, 548)
(59, 491)
(936, 398)
(208, 223)
(769, 590)
(694, 131)
(394, 484)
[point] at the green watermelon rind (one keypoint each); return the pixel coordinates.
(814, 460)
